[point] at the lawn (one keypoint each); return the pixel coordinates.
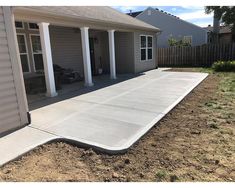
(194, 142)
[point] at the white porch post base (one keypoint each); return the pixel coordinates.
(88, 84)
(51, 94)
(47, 59)
(112, 55)
(86, 56)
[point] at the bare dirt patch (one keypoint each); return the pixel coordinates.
(194, 142)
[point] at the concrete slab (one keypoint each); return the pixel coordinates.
(115, 117)
(111, 118)
(19, 142)
(53, 114)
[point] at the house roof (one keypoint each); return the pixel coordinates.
(134, 14)
(93, 13)
(223, 29)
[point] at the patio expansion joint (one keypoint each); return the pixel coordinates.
(117, 106)
(45, 131)
(134, 89)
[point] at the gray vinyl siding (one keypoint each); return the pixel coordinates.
(124, 52)
(171, 26)
(141, 66)
(101, 50)
(67, 47)
(104, 53)
(9, 109)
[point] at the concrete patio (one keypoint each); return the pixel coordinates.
(111, 118)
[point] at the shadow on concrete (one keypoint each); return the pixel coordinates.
(76, 89)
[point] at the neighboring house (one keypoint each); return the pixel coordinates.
(172, 26)
(85, 39)
(225, 34)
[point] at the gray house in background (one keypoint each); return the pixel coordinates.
(172, 26)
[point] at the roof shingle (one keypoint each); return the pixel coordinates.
(95, 13)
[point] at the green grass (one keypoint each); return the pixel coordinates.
(222, 106)
(204, 70)
(227, 85)
(160, 175)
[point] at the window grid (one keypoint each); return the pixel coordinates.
(36, 51)
(146, 47)
(17, 26)
(33, 26)
(23, 50)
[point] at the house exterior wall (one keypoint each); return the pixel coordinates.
(124, 52)
(13, 109)
(172, 26)
(63, 39)
(101, 50)
(141, 66)
(66, 47)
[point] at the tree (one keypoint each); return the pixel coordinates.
(174, 42)
(224, 13)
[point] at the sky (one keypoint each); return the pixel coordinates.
(195, 15)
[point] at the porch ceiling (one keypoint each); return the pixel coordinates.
(91, 16)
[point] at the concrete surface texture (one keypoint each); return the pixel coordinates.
(112, 118)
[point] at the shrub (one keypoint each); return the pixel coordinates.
(224, 66)
(174, 42)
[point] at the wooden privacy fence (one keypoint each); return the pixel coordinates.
(203, 55)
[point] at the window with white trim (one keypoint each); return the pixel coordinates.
(23, 53)
(188, 39)
(146, 47)
(19, 25)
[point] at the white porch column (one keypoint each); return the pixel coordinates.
(86, 56)
(112, 55)
(47, 59)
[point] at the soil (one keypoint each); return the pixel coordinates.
(194, 142)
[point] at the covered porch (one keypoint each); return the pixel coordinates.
(89, 50)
